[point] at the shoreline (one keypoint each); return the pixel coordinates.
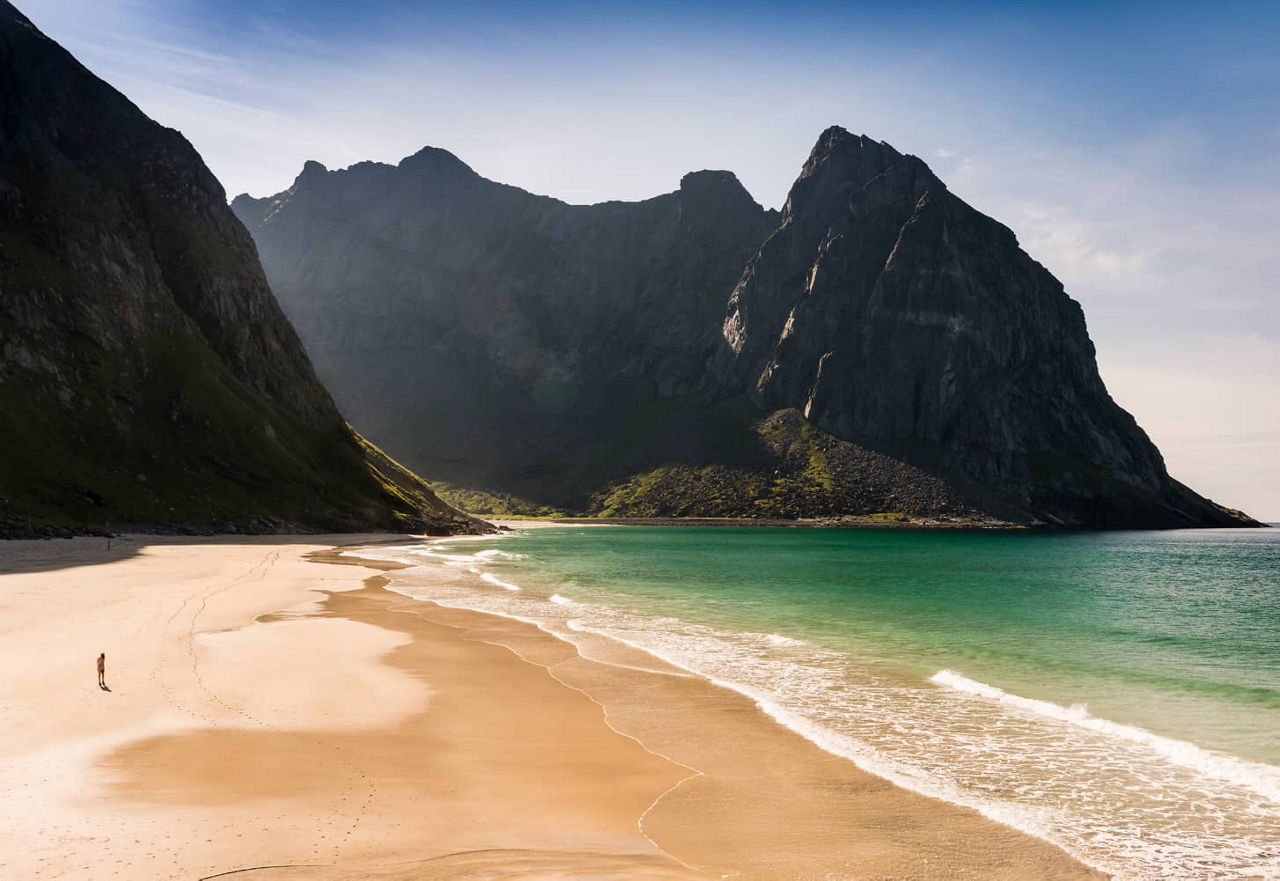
(867, 521)
(872, 522)
(296, 714)
(9, 533)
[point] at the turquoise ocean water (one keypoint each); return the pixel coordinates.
(1116, 693)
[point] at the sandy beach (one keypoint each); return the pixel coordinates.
(275, 713)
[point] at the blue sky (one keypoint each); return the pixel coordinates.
(1134, 148)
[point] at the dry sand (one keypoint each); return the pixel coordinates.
(275, 717)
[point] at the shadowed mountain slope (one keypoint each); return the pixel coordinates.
(147, 375)
(510, 340)
(877, 347)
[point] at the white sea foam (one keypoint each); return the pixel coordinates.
(447, 559)
(497, 582)
(779, 639)
(1262, 779)
(561, 600)
(494, 554)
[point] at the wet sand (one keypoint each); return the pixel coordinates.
(280, 717)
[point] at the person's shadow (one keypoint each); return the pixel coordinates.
(103, 686)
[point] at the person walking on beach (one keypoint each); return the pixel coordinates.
(102, 671)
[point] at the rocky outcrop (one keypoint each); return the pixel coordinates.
(639, 358)
(147, 375)
(895, 315)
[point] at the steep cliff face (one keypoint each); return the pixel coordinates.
(654, 358)
(147, 374)
(894, 315)
(509, 340)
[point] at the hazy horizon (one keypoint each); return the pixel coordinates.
(1135, 153)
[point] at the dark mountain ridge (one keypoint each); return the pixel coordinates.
(878, 346)
(147, 375)
(474, 324)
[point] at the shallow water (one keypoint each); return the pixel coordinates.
(1116, 693)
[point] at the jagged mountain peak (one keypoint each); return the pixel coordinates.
(710, 180)
(717, 198)
(312, 168)
(840, 164)
(855, 157)
(436, 161)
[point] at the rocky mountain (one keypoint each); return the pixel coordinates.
(879, 348)
(892, 313)
(147, 375)
(511, 341)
